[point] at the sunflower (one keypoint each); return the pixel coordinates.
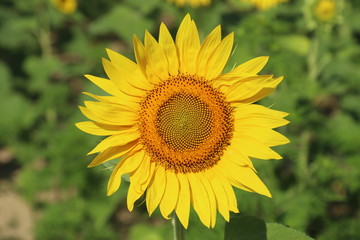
(184, 131)
(65, 6)
(264, 4)
(192, 3)
(325, 10)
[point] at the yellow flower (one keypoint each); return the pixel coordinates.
(184, 131)
(265, 4)
(325, 10)
(193, 3)
(65, 6)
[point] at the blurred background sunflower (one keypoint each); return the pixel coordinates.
(325, 10)
(192, 3)
(65, 6)
(264, 4)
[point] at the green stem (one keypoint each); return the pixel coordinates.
(44, 30)
(179, 230)
(313, 70)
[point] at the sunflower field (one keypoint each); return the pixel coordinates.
(47, 46)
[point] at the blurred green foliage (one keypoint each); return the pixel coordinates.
(44, 54)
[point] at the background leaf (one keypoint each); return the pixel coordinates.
(243, 227)
(277, 231)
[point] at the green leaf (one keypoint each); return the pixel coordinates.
(197, 230)
(244, 227)
(277, 231)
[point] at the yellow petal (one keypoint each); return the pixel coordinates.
(139, 183)
(219, 57)
(110, 105)
(156, 58)
(128, 70)
(253, 148)
(120, 139)
(91, 116)
(126, 103)
(210, 193)
(132, 196)
(113, 114)
(253, 66)
(111, 99)
(232, 202)
(119, 61)
(200, 199)
(142, 61)
(242, 177)
(145, 174)
(206, 50)
(167, 43)
(106, 85)
(145, 181)
(245, 89)
(266, 136)
(267, 89)
(115, 152)
(126, 165)
(99, 129)
(121, 98)
(242, 72)
(171, 194)
(133, 191)
(227, 80)
(188, 45)
(259, 115)
(119, 79)
(139, 51)
(232, 154)
(233, 181)
(220, 194)
(183, 204)
(156, 189)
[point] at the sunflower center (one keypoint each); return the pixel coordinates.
(184, 121)
(185, 124)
